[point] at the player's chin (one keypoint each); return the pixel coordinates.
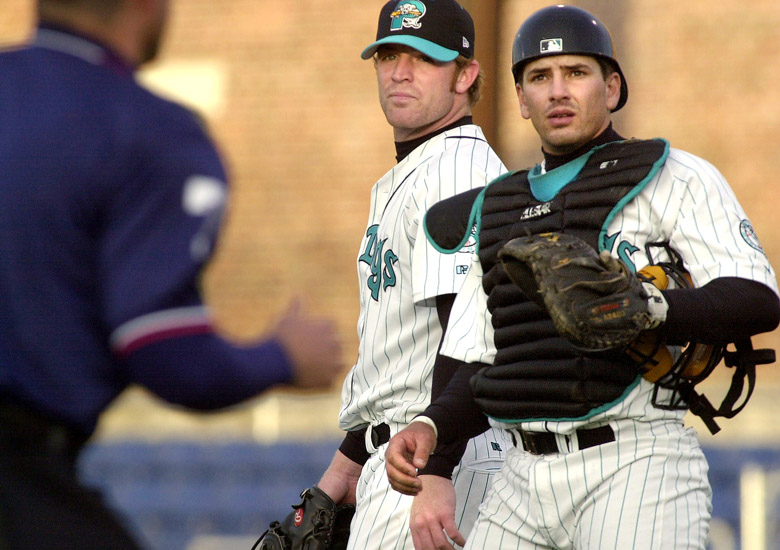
(562, 140)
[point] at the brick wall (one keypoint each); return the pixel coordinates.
(296, 115)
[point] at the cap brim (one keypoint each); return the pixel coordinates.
(426, 47)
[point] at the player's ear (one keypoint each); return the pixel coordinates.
(521, 98)
(467, 76)
(613, 90)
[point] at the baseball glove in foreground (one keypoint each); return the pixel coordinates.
(595, 301)
(316, 523)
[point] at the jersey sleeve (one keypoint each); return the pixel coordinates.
(469, 335)
(437, 273)
(466, 166)
(700, 216)
(161, 231)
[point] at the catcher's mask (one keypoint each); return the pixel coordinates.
(564, 30)
(679, 370)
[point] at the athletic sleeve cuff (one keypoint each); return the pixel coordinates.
(428, 421)
(354, 446)
(442, 462)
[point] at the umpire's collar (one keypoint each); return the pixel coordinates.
(65, 40)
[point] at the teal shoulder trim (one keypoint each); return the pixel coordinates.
(475, 219)
(590, 414)
(633, 193)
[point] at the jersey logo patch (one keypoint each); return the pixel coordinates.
(407, 14)
(382, 263)
(749, 235)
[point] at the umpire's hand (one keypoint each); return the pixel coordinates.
(408, 451)
(313, 345)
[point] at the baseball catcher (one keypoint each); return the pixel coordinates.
(316, 523)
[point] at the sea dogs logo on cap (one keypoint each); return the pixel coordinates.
(551, 45)
(407, 14)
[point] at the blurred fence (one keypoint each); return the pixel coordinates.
(222, 496)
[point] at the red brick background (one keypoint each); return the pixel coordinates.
(305, 139)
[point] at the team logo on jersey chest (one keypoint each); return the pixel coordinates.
(381, 261)
(407, 14)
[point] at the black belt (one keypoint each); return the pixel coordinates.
(380, 434)
(544, 443)
(22, 424)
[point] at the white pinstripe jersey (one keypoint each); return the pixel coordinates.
(400, 275)
(688, 203)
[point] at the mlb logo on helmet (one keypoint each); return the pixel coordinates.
(551, 45)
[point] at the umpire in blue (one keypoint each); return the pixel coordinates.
(111, 199)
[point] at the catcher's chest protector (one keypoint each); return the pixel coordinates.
(537, 373)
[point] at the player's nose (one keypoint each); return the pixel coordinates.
(403, 68)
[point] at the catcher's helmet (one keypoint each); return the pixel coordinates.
(560, 30)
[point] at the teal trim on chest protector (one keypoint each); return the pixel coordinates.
(475, 218)
(605, 407)
(602, 239)
(545, 187)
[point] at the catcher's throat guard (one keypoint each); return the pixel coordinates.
(680, 372)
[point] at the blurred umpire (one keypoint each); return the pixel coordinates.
(110, 203)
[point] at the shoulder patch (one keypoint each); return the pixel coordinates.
(749, 235)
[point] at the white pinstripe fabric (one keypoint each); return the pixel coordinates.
(646, 491)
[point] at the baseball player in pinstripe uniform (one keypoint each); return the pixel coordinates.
(601, 457)
(428, 81)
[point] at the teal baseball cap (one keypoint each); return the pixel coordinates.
(440, 29)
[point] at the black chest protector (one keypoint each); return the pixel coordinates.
(537, 374)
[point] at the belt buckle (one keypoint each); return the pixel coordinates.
(374, 438)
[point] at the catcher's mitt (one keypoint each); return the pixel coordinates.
(316, 523)
(595, 301)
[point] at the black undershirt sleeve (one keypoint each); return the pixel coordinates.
(354, 446)
(446, 372)
(722, 311)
